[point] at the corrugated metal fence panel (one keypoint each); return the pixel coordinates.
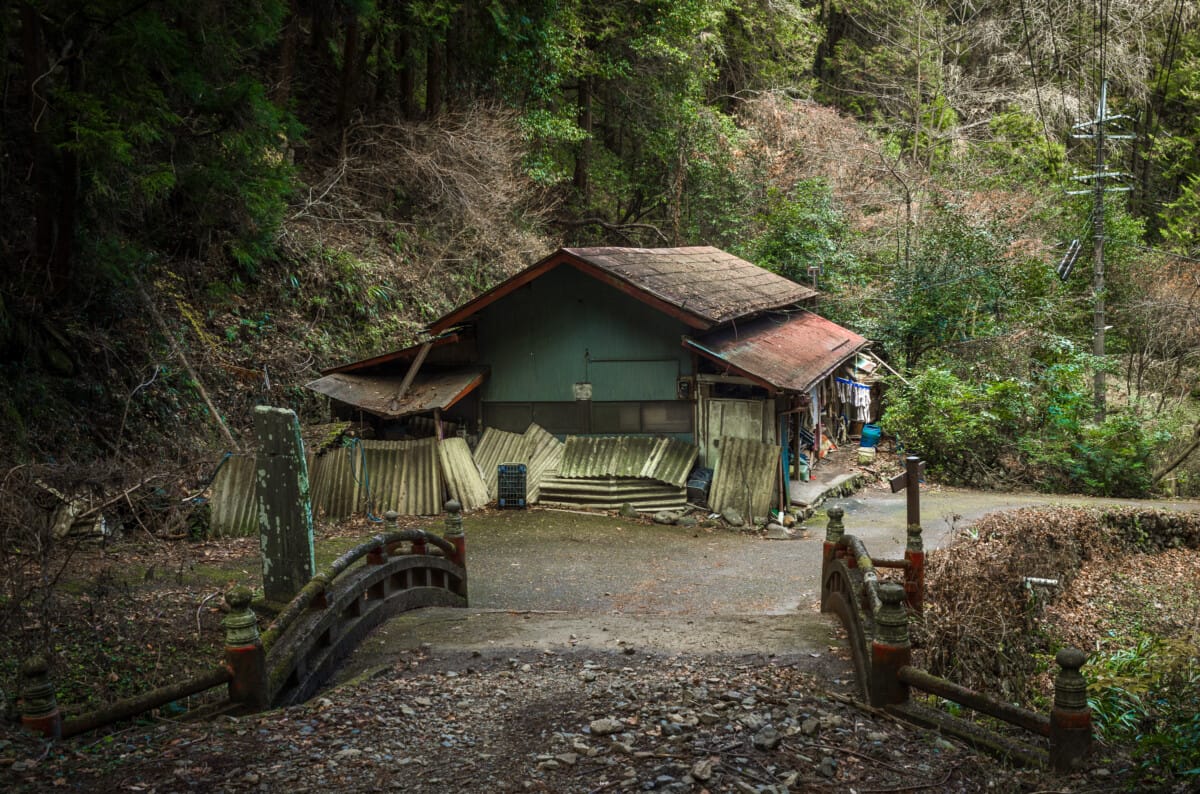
(463, 479)
(609, 493)
(670, 461)
(334, 482)
(616, 456)
(745, 472)
(665, 459)
(500, 446)
(405, 476)
(234, 509)
(545, 454)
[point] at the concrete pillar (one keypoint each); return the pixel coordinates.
(285, 521)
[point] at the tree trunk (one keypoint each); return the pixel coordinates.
(41, 157)
(405, 52)
(435, 75)
(456, 48)
(1181, 457)
(287, 57)
(584, 155)
(346, 100)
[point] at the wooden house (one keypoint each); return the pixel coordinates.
(691, 343)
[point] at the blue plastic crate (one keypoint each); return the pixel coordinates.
(511, 486)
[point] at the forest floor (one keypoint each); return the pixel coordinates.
(599, 654)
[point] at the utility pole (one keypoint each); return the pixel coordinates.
(1099, 134)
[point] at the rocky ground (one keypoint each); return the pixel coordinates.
(599, 655)
(630, 721)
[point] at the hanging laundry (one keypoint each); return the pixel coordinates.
(852, 392)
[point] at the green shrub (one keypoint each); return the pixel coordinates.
(1148, 698)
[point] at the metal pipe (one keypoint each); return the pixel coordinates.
(1015, 715)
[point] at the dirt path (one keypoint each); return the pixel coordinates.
(564, 582)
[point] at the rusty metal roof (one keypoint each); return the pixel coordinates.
(375, 394)
(784, 351)
(702, 286)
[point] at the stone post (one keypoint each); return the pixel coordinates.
(391, 523)
(834, 531)
(285, 522)
(890, 649)
(1070, 718)
(914, 572)
(244, 651)
(39, 706)
(456, 536)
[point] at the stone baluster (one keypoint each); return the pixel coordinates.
(1071, 717)
(39, 706)
(456, 536)
(890, 649)
(391, 523)
(835, 530)
(244, 654)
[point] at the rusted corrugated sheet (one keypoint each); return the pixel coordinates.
(405, 476)
(745, 473)
(609, 493)
(462, 475)
(671, 461)
(665, 459)
(234, 512)
(545, 454)
(496, 447)
(376, 394)
(536, 448)
(786, 351)
(333, 483)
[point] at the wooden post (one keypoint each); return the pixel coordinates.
(244, 651)
(284, 511)
(890, 650)
(39, 706)
(914, 552)
(1071, 717)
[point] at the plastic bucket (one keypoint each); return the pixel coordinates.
(870, 435)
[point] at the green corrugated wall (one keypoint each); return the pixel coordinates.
(537, 340)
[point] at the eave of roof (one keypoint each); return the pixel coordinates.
(788, 352)
(375, 394)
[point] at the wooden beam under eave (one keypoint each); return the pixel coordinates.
(412, 373)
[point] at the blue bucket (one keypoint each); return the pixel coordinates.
(870, 435)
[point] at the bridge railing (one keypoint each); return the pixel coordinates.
(876, 614)
(402, 570)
